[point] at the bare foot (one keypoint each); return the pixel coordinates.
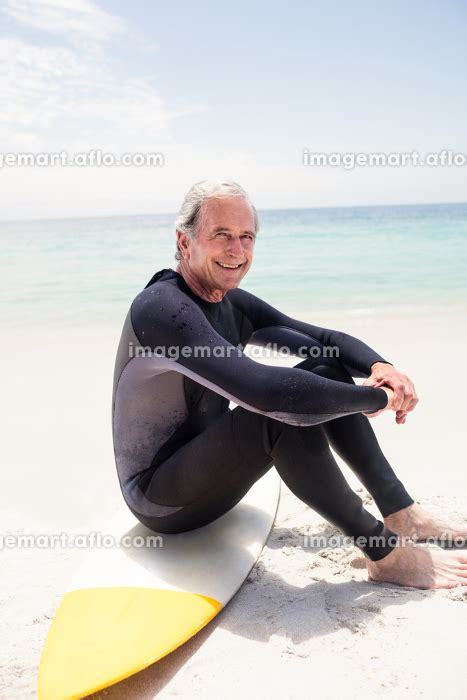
(420, 567)
(419, 524)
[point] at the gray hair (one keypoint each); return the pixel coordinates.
(188, 219)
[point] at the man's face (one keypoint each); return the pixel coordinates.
(222, 252)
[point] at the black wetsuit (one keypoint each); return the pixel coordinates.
(184, 457)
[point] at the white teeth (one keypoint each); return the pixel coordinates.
(231, 267)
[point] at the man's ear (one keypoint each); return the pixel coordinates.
(182, 244)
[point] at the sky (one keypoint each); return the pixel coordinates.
(235, 91)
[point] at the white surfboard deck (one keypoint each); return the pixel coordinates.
(129, 606)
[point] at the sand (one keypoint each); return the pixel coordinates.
(307, 622)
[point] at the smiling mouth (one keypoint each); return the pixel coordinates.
(228, 266)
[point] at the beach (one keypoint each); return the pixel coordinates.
(339, 130)
(307, 620)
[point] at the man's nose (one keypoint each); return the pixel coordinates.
(235, 247)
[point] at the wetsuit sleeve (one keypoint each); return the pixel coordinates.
(272, 326)
(181, 339)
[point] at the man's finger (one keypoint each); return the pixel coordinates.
(413, 395)
(412, 404)
(401, 417)
(410, 401)
(399, 395)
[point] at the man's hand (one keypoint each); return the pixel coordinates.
(405, 396)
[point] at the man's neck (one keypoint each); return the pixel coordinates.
(207, 294)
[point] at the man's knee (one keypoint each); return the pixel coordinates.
(334, 371)
(328, 367)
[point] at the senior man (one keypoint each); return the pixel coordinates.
(184, 458)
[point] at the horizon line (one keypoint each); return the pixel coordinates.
(273, 209)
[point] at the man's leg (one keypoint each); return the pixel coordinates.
(354, 440)
(214, 470)
(211, 473)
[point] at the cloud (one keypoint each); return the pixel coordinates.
(73, 92)
(75, 95)
(75, 17)
(53, 89)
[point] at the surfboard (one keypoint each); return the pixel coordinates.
(130, 605)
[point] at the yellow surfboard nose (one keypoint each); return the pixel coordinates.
(100, 636)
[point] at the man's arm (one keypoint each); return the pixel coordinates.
(165, 316)
(272, 326)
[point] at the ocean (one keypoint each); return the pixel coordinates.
(310, 263)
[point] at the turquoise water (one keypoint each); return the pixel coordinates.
(310, 261)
